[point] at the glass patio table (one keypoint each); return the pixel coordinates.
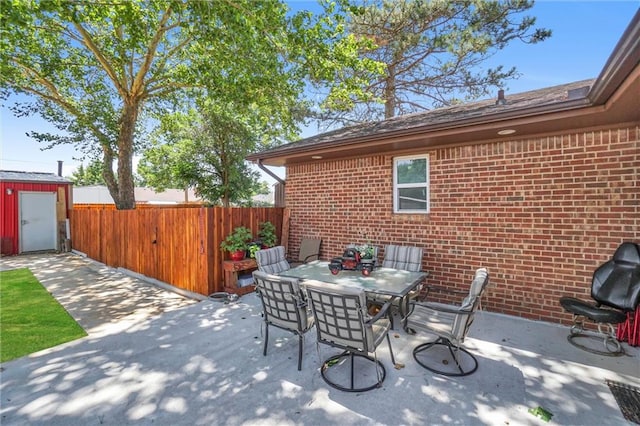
(384, 281)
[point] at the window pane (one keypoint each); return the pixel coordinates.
(412, 170)
(412, 198)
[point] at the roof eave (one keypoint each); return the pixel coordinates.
(451, 125)
(623, 60)
(48, 182)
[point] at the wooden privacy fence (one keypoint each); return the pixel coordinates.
(179, 246)
(104, 206)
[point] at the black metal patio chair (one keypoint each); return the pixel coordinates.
(284, 306)
(405, 258)
(342, 321)
(450, 323)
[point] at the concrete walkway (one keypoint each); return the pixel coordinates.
(152, 357)
(95, 295)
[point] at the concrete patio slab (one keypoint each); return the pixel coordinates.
(175, 361)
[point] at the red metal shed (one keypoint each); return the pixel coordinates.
(34, 209)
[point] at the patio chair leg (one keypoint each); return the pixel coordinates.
(334, 362)
(266, 339)
(454, 354)
(300, 344)
(578, 335)
(352, 375)
(404, 314)
(375, 357)
(393, 360)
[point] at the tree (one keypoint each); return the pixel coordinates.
(205, 150)
(433, 52)
(91, 175)
(100, 71)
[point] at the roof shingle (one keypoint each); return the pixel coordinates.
(447, 115)
(17, 176)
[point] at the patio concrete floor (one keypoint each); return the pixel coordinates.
(154, 357)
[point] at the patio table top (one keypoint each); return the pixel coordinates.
(387, 281)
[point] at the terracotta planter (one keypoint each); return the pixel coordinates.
(237, 255)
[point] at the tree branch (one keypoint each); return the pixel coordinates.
(161, 64)
(138, 81)
(88, 41)
(55, 97)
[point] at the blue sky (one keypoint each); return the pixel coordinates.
(584, 35)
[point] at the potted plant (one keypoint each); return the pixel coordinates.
(366, 251)
(236, 243)
(253, 248)
(367, 255)
(267, 234)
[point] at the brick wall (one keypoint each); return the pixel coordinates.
(541, 214)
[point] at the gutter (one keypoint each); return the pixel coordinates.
(625, 58)
(269, 172)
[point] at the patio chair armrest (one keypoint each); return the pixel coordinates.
(382, 312)
(299, 300)
(440, 289)
(451, 309)
(316, 255)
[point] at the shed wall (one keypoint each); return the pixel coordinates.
(540, 213)
(9, 225)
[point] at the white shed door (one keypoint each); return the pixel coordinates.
(37, 221)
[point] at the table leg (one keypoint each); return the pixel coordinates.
(404, 309)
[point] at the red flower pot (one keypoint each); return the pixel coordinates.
(237, 255)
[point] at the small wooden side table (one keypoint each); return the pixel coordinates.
(231, 269)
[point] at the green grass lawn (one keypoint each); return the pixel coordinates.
(30, 318)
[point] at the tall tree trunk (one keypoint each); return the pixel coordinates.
(390, 93)
(122, 192)
(225, 177)
(107, 170)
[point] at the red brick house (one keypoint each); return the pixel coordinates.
(539, 187)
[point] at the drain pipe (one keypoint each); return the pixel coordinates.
(270, 173)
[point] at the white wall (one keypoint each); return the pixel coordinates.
(100, 195)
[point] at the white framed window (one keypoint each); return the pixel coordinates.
(411, 184)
